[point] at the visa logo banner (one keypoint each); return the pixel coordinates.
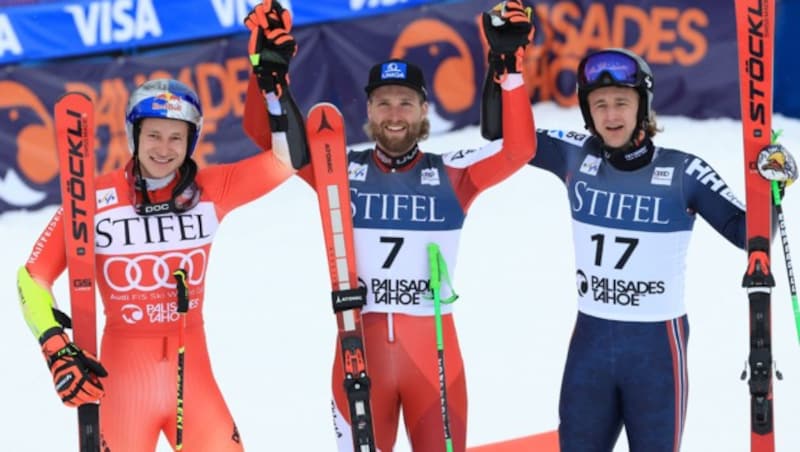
(115, 22)
(9, 42)
(38, 31)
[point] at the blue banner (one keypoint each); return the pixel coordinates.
(787, 64)
(56, 29)
(691, 48)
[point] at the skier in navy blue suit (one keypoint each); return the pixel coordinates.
(633, 208)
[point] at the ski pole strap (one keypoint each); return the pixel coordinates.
(439, 273)
(346, 299)
(62, 318)
(183, 290)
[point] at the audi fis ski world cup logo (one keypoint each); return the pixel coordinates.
(150, 272)
(357, 172)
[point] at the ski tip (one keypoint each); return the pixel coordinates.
(72, 94)
(324, 106)
(323, 117)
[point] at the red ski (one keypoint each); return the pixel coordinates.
(755, 26)
(74, 122)
(326, 139)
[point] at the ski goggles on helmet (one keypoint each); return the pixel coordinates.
(609, 67)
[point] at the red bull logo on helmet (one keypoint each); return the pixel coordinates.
(167, 101)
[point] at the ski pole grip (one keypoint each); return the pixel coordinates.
(183, 290)
(433, 264)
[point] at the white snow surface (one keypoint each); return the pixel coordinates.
(271, 331)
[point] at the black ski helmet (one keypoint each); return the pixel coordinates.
(615, 67)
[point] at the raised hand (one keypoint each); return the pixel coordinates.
(271, 45)
(507, 29)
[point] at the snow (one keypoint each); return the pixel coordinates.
(271, 331)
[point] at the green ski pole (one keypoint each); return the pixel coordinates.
(787, 257)
(438, 270)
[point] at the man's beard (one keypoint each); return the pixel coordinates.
(396, 145)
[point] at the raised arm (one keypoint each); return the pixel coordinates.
(508, 30)
(269, 104)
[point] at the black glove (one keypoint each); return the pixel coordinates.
(271, 46)
(76, 373)
(507, 29)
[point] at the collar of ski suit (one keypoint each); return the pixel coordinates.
(630, 159)
(399, 163)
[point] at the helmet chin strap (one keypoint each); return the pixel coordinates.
(185, 195)
(139, 182)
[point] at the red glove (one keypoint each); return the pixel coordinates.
(507, 29)
(269, 15)
(271, 46)
(76, 374)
